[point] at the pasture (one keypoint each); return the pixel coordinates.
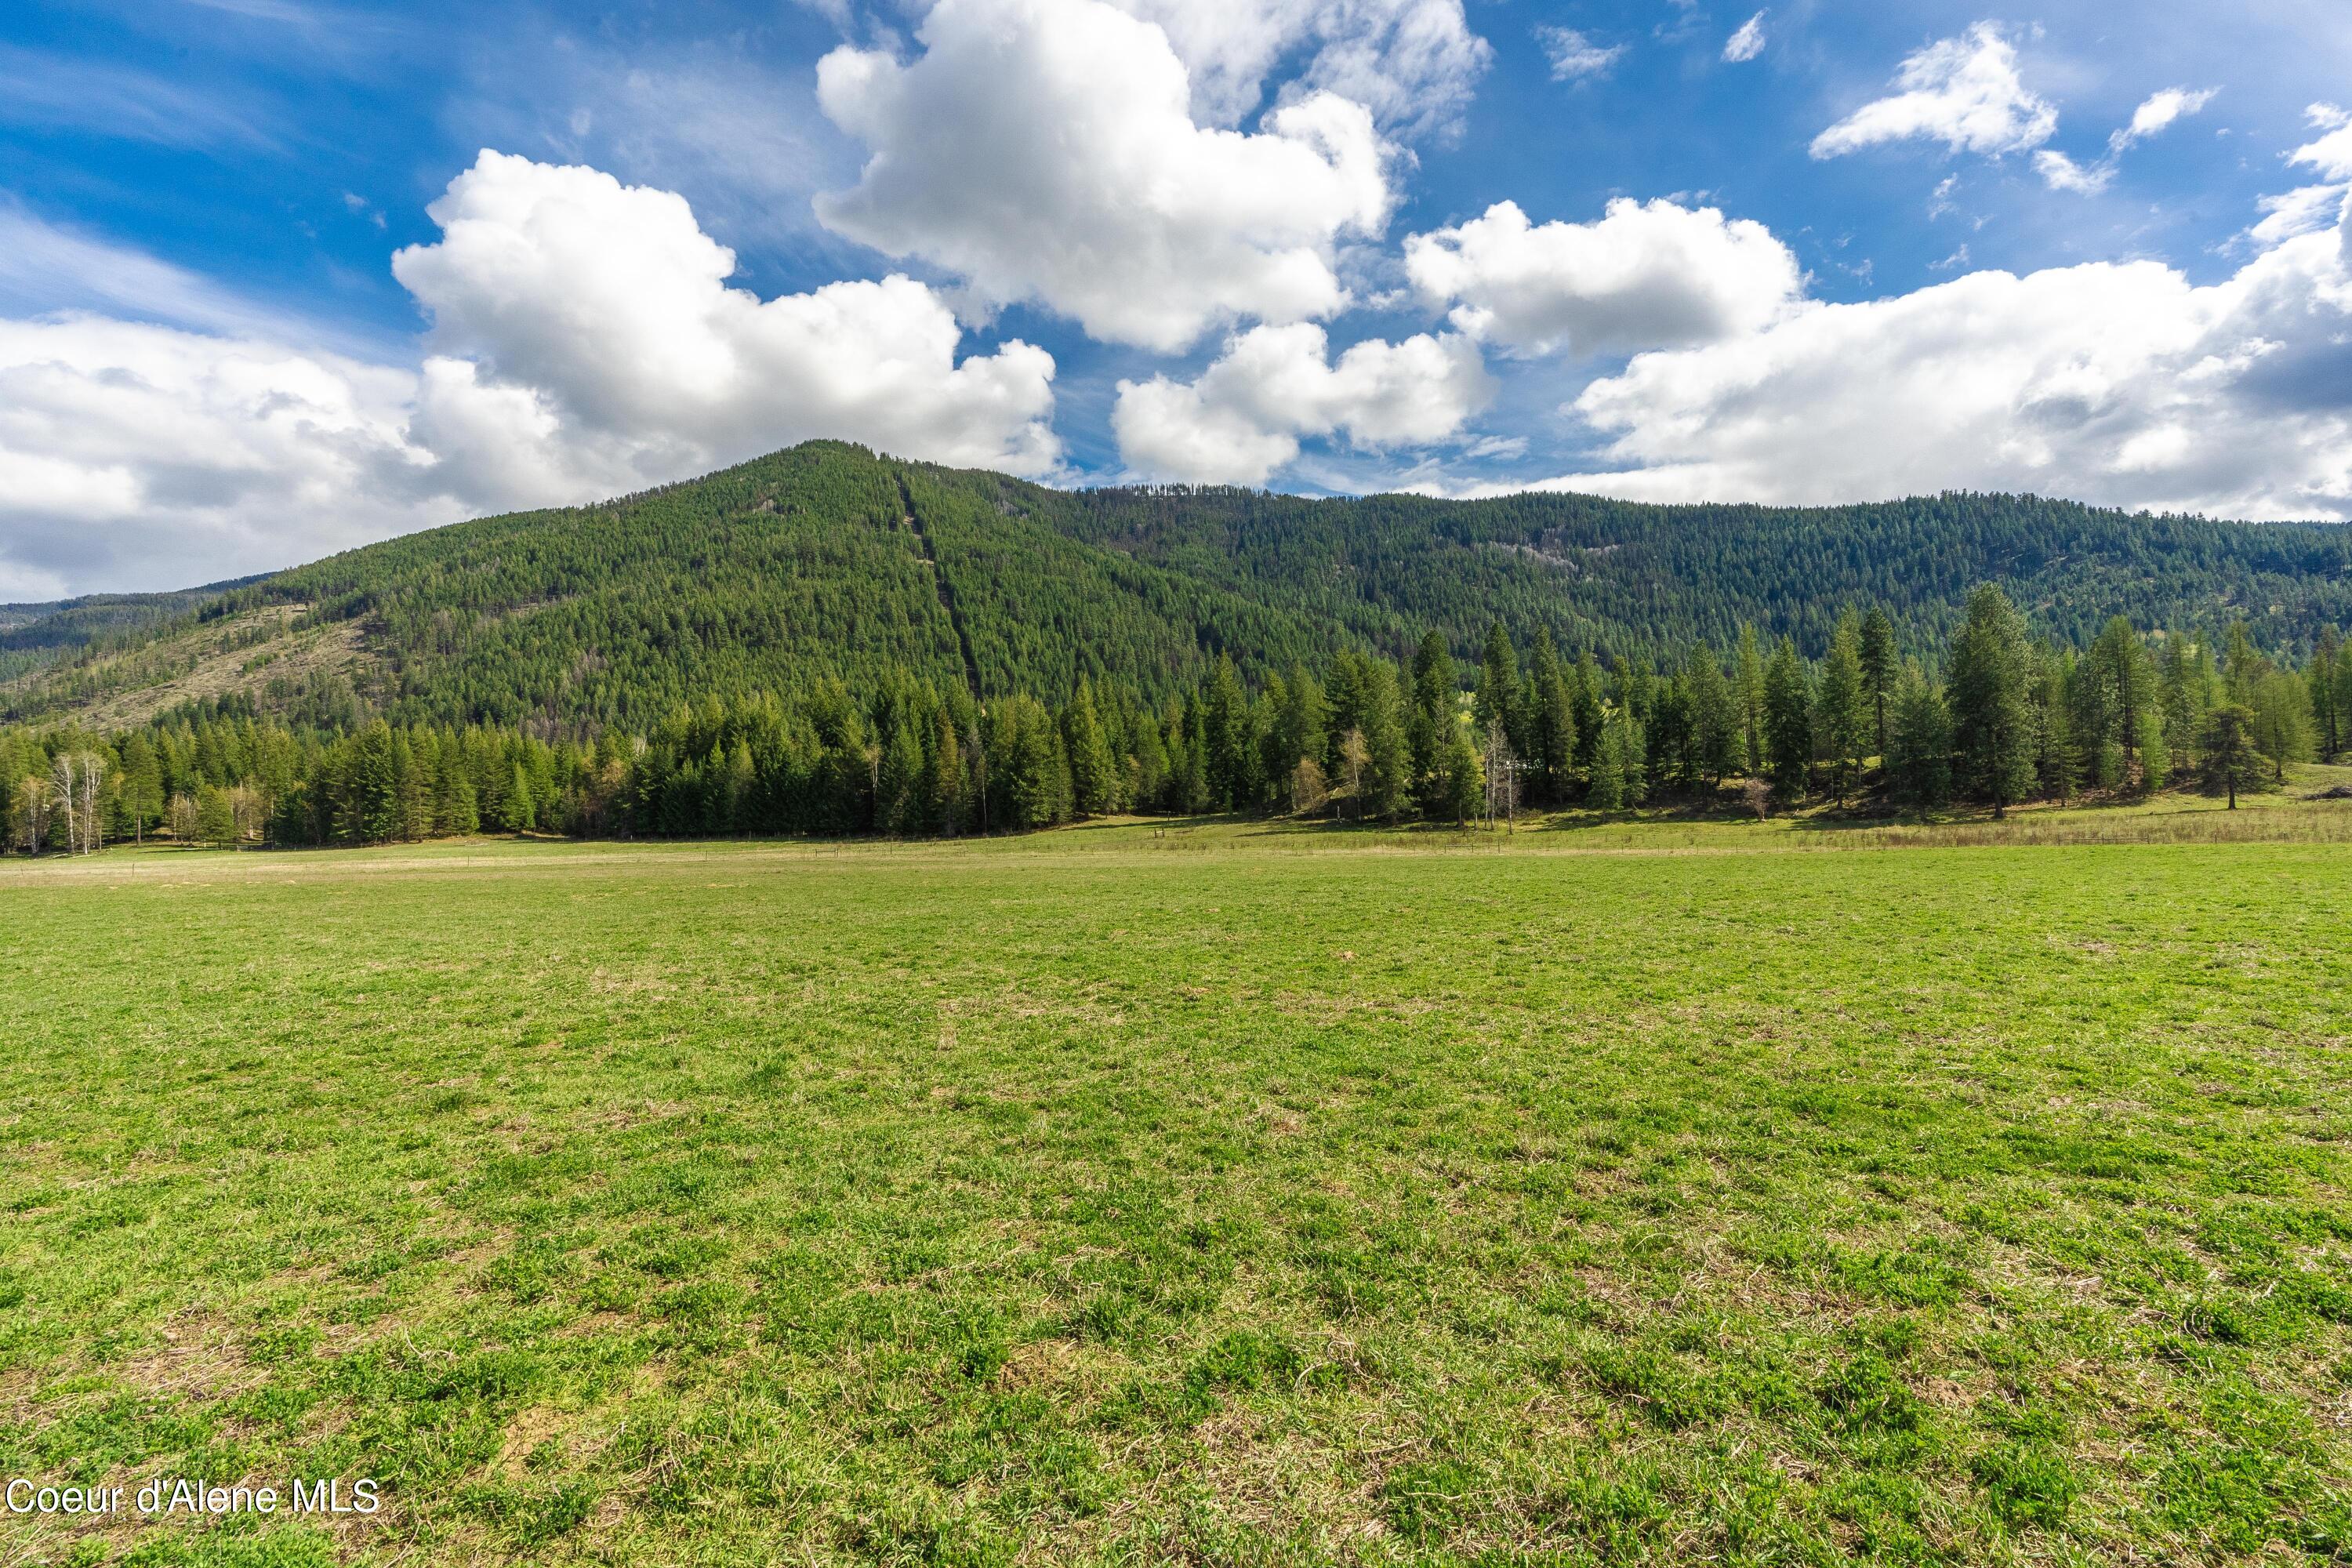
(1219, 1195)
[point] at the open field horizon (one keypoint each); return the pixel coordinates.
(1150, 1192)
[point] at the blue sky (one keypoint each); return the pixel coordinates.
(1868, 250)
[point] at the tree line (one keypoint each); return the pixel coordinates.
(2003, 719)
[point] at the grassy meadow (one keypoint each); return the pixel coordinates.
(1130, 1193)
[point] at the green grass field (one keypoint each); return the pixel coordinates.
(1218, 1195)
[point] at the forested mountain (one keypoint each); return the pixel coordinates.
(33, 634)
(826, 561)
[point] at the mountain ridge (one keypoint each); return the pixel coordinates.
(826, 560)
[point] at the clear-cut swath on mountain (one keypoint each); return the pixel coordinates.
(827, 559)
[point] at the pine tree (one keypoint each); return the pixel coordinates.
(944, 782)
(2329, 720)
(2344, 695)
(2233, 762)
(522, 810)
(143, 785)
(1841, 708)
(1094, 774)
(2282, 705)
(1920, 745)
(2242, 665)
(1605, 789)
(900, 806)
(2058, 758)
(1789, 724)
(455, 808)
(2185, 693)
(215, 817)
(1747, 696)
(1298, 730)
(1462, 779)
(1231, 773)
(1992, 724)
(1552, 712)
(1585, 695)
(2128, 701)
(1495, 704)
(1384, 740)
(1880, 670)
(1713, 718)
(1431, 701)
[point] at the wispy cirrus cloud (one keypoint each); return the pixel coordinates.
(1576, 56)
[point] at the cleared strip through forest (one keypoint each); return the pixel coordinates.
(945, 589)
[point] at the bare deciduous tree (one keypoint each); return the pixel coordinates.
(181, 817)
(76, 776)
(1502, 777)
(1308, 788)
(33, 812)
(1355, 757)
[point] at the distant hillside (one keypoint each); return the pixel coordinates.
(32, 636)
(826, 560)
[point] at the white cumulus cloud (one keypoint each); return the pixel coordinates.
(1747, 42)
(145, 456)
(2331, 153)
(1964, 93)
(1243, 417)
(2118, 383)
(609, 304)
(1646, 275)
(1414, 63)
(1045, 149)
(584, 343)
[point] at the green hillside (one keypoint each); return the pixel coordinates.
(827, 561)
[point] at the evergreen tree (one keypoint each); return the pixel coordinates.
(2185, 693)
(1433, 701)
(1880, 670)
(1094, 774)
(520, 810)
(455, 808)
(2058, 758)
(944, 781)
(2329, 720)
(215, 817)
(901, 807)
(1612, 759)
(1552, 717)
(1227, 734)
(1462, 779)
(1496, 702)
(1585, 695)
(2233, 762)
(1300, 727)
(1841, 708)
(1920, 745)
(143, 785)
(2242, 665)
(1390, 779)
(2128, 704)
(2282, 706)
(1747, 695)
(1992, 724)
(1789, 724)
(1714, 720)
(2344, 695)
